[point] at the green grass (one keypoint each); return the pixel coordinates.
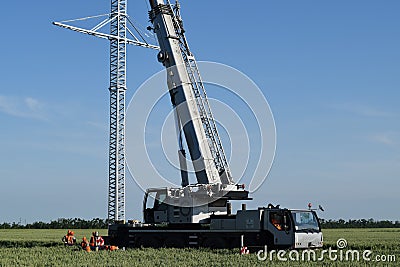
(44, 248)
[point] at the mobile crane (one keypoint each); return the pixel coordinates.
(200, 215)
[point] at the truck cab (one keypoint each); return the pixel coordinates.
(299, 228)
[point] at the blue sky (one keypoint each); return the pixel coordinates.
(330, 71)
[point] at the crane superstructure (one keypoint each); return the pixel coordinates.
(194, 118)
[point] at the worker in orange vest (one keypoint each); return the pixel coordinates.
(85, 244)
(69, 239)
(96, 241)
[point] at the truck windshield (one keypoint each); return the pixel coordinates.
(305, 220)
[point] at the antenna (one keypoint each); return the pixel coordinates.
(118, 37)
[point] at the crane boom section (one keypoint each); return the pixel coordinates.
(182, 94)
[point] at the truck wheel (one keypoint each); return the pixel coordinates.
(214, 243)
(174, 242)
(150, 242)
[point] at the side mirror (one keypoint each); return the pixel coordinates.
(285, 223)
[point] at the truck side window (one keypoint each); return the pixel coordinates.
(276, 219)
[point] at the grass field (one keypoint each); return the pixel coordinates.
(44, 248)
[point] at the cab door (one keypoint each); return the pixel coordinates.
(279, 223)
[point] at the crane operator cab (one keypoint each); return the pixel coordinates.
(190, 204)
(154, 207)
(179, 206)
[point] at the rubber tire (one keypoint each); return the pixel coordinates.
(214, 243)
(150, 242)
(174, 242)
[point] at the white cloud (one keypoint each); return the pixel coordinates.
(363, 110)
(27, 107)
(388, 138)
(32, 103)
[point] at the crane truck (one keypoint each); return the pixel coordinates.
(200, 214)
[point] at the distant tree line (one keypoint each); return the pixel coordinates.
(361, 223)
(61, 223)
